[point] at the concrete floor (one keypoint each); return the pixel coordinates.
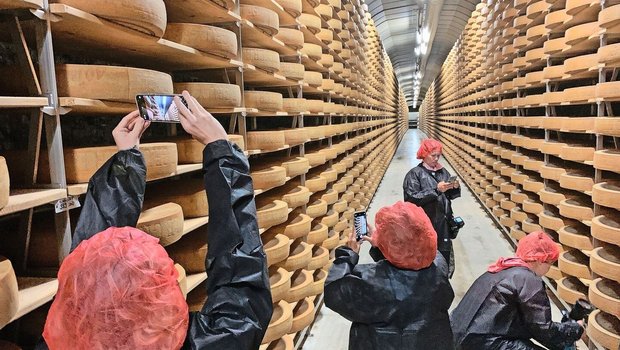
(479, 243)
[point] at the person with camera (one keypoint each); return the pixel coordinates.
(118, 287)
(508, 305)
(400, 302)
(430, 186)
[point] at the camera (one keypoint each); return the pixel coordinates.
(455, 223)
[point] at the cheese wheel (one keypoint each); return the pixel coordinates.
(294, 71)
(266, 140)
(297, 197)
(9, 294)
(296, 166)
(314, 79)
(280, 283)
(214, 40)
(313, 22)
(82, 163)
(313, 51)
(326, 60)
(328, 85)
(190, 194)
(604, 329)
(269, 178)
(265, 19)
(147, 16)
(190, 151)
(338, 68)
(4, 183)
(280, 323)
(276, 246)
(291, 37)
(325, 35)
(272, 214)
(303, 314)
(293, 7)
(298, 256)
(324, 10)
(317, 235)
(301, 284)
(164, 222)
(296, 228)
(336, 46)
(266, 59)
(109, 83)
(212, 95)
(294, 106)
(263, 100)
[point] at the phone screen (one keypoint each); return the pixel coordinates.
(159, 108)
(452, 179)
(359, 224)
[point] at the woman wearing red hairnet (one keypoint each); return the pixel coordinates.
(427, 185)
(508, 305)
(402, 301)
(118, 288)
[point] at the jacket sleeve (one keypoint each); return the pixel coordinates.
(114, 197)
(348, 294)
(536, 312)
(239, 307)
(414, 193)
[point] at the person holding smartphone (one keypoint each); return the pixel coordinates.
(431, 186)
(400, 302)
(118, 288)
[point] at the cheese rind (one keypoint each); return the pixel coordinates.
(164, 222)
(4, 183)
(9, 294)
(110, 83)
(215, 40)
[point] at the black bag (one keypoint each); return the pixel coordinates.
(455, 223)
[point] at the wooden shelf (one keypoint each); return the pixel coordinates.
(22, 102)
(25, 199)
(259, 38)
(79, 32)
(190, 225)
(313, 65)
(255, 76)
(78, 189)
(259, 113)
(195, 280)
(33, 293)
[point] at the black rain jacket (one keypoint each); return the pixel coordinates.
(420, 188)
(391, 308)
(504, 310)
(239, 306)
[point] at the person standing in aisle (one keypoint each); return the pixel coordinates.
(118, 288)
(400, 302)
(430, 186)
(508, 305)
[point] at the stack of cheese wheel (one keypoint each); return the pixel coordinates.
(564, 185)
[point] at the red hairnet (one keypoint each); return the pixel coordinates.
(406, 236)
(427, 147)
(117, 290)
(538, 246)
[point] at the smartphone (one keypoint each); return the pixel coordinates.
(359, 224)
(452, 179)
(159, 108)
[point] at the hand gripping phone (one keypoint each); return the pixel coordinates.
(359, 224)
(159, 108)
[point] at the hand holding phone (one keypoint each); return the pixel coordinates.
(159, 107)
(360, 224)
(452, 179)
